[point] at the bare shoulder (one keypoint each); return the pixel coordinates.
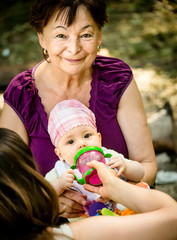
(132, 95)
(9, 119)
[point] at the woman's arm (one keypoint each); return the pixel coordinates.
(9, 119)
(157, 218)
(133, 197)
(132, 120)
(157, 225)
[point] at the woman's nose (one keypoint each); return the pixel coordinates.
(74, 46)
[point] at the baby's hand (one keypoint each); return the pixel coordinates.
(66, 179)
(119, 163)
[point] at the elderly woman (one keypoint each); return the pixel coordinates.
(70, 33)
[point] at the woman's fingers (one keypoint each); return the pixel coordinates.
(76, 197)
(102, 170)
(71, 204)
(72, 215)
(91, 188)
(67, 212)
(107, 177)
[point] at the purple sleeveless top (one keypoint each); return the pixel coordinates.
(110, 79)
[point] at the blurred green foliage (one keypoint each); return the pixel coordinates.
(145, 34)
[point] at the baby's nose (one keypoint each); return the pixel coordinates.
(82, 144)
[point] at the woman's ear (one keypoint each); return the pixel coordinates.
(41, 40)
(58, 153)
(100, 38)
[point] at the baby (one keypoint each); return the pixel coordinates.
(72, 126)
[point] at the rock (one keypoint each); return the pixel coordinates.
(166, 177)
(163, 130)
(162, 158)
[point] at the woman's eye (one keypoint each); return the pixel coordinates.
(87, 135)
(70, 142)
(61, 36)
(86, 35)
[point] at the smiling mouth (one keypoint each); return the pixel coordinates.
(73, 60)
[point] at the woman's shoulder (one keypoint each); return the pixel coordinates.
(107, 64)
(20, 93)
(111, 77)
(21, 83)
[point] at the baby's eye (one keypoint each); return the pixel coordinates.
(61, 36)
(87, 135)
(86, 35)
(70, 142)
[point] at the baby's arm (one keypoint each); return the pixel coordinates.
(132, 170)
(64, 182)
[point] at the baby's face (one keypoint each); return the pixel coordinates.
(76, 139)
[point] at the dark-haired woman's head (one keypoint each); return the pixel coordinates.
(70, 32)
(43, 10)
(28, 204)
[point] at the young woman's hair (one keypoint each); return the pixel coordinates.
(28, 203)
(42, 11)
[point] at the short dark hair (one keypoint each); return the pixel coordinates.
(42, 11)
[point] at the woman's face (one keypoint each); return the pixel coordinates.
(74, 48)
